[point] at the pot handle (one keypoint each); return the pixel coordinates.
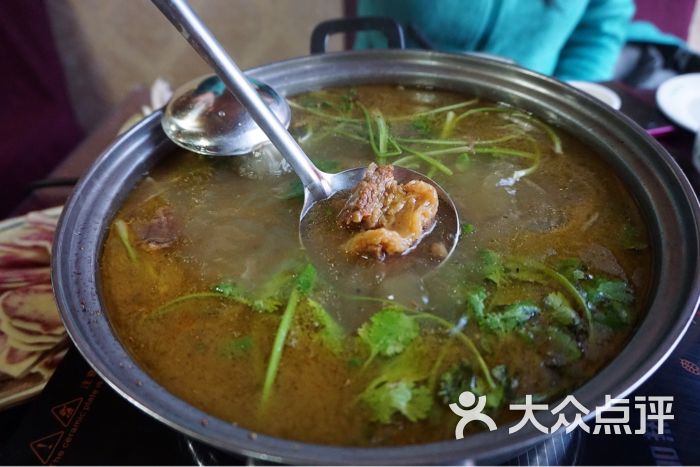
(391, 29)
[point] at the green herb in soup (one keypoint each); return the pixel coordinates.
(207, 285)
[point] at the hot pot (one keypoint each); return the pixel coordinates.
(665, 197)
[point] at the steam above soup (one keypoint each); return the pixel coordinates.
(207, 286)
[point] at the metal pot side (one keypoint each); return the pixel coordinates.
(658, 185)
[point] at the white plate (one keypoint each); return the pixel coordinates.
(599, 91)
(679, 99)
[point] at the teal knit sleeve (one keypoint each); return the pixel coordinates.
(593, 48)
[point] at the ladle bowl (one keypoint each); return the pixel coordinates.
(203, 118)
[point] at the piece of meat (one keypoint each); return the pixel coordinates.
(438, 250)
(378, 243)
(394, 217)
(368, 201)
(160, 231)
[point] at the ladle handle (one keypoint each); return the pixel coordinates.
(190, 25)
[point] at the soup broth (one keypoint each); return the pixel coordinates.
(207, 286)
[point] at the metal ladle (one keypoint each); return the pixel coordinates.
(318, 185)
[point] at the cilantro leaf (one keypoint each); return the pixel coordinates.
(455, 381)
(500, 321)
(424, 124)
(561, 311)
(330, 332)
(388, 332)
(280, 284)
(561, 347)
(264, 304)
(347, 101)
(306, 280)
(613, 316)
(572, 269)
(461, 377)
(229, 289)
(232, 291)
(494, 397)
(608, 299)
(492, 266)
(611, 301)
(600, 290)
(476, 298)
(525, 271)
(511, 317)
(528, 270)
(404, 397)
(467, 228)
(237, 347)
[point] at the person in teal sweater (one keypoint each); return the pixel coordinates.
(569, 39)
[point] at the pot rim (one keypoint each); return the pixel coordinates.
(648, 171)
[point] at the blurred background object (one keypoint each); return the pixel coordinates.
(670, 16)
(68, 63)
(662, 42)
(694, 34)
(108, 46)
(38, 124)
(696, 151)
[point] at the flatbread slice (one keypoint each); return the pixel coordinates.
(29, 337)
(23, 256)
(15, 362)
(35, 237)
(31, 308)
(10, 278)
(4, 341)
(23, 339)
(41, 219)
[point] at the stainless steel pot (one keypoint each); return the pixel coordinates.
(661, 190)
